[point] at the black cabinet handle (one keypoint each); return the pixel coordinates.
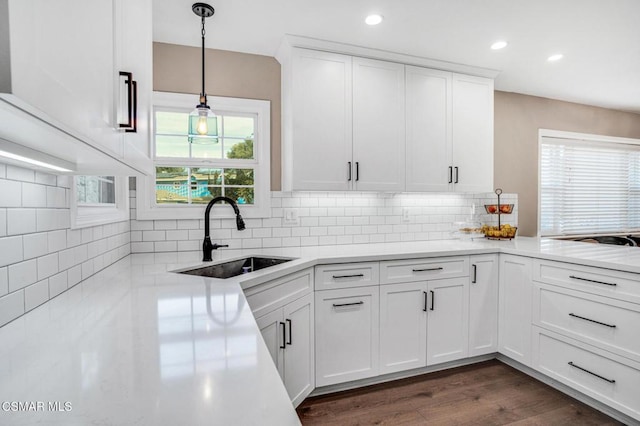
(433, 299)
(450, 174)
(425, 301)
(349, 170)
(290, 332)
(591, 372)
(357, 171)
(439, 268)
(338, 305)
(131, 125)
(134, 113)
(593, 321)
(592, 281)
(475, 274)
(456, 180)
(347, 276)
(284, 335)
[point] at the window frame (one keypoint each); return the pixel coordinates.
(572, 137)
(146, 207)
(83, 216)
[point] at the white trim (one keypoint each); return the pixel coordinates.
(92, 215)
(145, 196)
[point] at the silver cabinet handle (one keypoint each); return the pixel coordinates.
(593, 321)
(591, 372)
(592, 281)
(338, 305)
(439, 268)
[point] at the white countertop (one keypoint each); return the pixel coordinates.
(135, 344)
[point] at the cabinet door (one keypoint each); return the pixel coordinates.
(515, 300)
(403, 327)
(319, 149)
(483, 305)
(378, 125)
(346, 334)
(272, 330)
(299, 353)
(428, 94)
(448, 320)
(472, 133)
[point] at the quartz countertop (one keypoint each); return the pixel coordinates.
(138, 344)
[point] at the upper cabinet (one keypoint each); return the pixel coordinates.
(351, 123)
(61, 92)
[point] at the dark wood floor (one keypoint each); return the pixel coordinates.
(489, 393)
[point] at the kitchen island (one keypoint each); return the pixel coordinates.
(139, 344)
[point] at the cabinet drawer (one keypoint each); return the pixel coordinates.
(606, 282)
(606, 323)
(347, 275)
(403, 271)
(589, 370)
(272, 295)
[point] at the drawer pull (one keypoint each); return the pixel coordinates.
(594, 321)
(439, 268)
(592, 281)
(590, 372)
(425, 301)
(348, 276)
(339, 305)
(284, 335)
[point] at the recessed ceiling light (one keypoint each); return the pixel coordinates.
(555, 57)
(373, 19)
(499, 45)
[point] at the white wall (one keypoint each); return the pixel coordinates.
(40, 255)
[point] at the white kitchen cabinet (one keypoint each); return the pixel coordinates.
(515, 308)
(61, 76)
(429, 152)
(288, 333)
(347, 334)
(378, 125)
(483, 304)
(403, 326)
(447, 320)
(472, 134)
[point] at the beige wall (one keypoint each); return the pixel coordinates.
(232, 74)
(517, 120)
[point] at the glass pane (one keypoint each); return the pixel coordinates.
(238, 176)
(171, 185)
(172, 146)
(241, 195)
(203, 125)
(238, 127)
(205, 176)
(206, 148)
(172, 123)
(204, 194)
(95, 190)
(236, 148)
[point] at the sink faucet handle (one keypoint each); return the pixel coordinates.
(216, 246)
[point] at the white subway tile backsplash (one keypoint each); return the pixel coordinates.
(21, 174)
(153, 235)
(22, 274)
(57, 284)
(56, 197)
(34, 195)
(36, 294)
(74, 275)
(35, 245)
(180, 235)
(3, 222)
(165, 224)
(161, 246)
(11, 249)
(11, 306)
(21, 221)
(4, 281)
(11, 193)
(57, 240)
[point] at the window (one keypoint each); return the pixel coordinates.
(98, 200)
(588, 184)
(190, 170)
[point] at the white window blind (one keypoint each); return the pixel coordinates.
(588, 187)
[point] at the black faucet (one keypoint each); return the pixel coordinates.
(207, 247)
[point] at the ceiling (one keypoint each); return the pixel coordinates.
(600, 39)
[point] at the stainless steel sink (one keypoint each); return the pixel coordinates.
(236, 267)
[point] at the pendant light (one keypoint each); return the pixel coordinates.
(202, 121)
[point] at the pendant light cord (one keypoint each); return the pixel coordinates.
(203, 92)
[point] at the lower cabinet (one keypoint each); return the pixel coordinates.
(289, 335)
(483, 304)
(347, 334)
(514, 312)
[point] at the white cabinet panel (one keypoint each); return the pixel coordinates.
(347, 334)
(428, 98)
(483, 305)
(515, 300)
(400, 271)
(378, 125)
(272, 328)
(448, 320)
(299, 365)
(403, 326)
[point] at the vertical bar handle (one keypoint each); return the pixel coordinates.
(290, 331)
(284, 332)
(357, 171)
(474, 278)
(128, 79)
(349, 171)
(425, 301)
(433, 300)
(450, 174)
(456, 169)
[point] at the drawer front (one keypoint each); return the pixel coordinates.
(606, 282)
(606, 323)
(275, 294)
(404, 271)
(347, 275)
(596, 373)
